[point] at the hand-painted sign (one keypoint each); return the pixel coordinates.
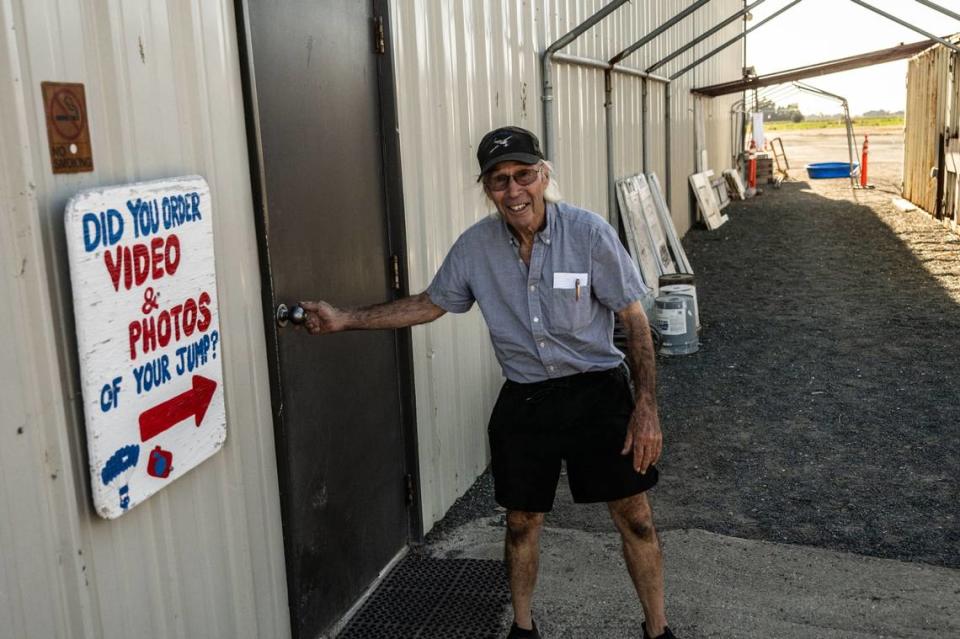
(148, 334)
(68, 131)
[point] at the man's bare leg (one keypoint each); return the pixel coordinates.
(634, 519)
(522, 554)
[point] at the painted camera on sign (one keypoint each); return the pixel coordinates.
(160, 463)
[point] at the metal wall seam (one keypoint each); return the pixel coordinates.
(465, 67)
(163, 94)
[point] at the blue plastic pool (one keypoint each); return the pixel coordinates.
(825, 170)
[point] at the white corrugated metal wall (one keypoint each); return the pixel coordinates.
(464, 67)
(204, 558)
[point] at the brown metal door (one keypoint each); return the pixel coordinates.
(314, 102)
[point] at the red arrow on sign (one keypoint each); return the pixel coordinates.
(191, 403)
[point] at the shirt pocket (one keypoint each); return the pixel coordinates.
(567, 313)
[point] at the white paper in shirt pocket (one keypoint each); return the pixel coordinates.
(570, 280)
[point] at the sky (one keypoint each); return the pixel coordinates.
(822, 30)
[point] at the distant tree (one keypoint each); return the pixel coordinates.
(797, 117)
(819, 117)
(776, 113)
(882, 113)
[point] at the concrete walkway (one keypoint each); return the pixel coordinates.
(727, 588)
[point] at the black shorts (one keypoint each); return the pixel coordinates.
(581, 419)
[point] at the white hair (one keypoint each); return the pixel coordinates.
(551, 194)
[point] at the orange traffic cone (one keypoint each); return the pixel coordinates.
(863, 163)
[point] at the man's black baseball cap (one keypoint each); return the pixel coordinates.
(508, 143)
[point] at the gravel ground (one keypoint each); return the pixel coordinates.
(822, 408)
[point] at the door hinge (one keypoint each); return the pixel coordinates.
(395, 271)
(379, 41)
(408, 483)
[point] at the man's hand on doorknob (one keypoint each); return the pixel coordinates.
(323, 318)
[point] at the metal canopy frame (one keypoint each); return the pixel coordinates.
(611, 66)
(546, 66)
(906, 24)
(731, 41)
(653, 34)
(703, 36)
(937, 7)
(812, 70)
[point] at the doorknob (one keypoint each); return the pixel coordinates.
(294, 314)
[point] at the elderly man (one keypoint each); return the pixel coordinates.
(548, 278)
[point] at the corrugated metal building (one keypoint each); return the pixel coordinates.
(176, 87)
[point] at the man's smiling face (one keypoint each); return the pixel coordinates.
(522, 206)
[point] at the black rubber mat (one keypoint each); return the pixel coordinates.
(427, 598)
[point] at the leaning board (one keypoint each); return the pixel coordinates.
(666, 220)
(658, 238)
(637, 238)
(736, 184)
(720, 190)
(707, 200)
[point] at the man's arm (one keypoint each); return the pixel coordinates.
(643, 434)
(323, 318)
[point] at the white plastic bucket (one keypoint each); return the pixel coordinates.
(684, 289)
(673, 315)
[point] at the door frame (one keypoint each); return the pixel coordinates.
(396, 238)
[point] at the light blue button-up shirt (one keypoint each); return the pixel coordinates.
(555, 317)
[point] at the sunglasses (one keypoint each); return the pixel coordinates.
(523, 177)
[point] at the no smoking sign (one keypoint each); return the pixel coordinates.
(68, 133)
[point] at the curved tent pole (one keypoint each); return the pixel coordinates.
(937, 7)
(906, 24)
(546, 67)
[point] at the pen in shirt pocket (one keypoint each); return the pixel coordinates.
(576, 285)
